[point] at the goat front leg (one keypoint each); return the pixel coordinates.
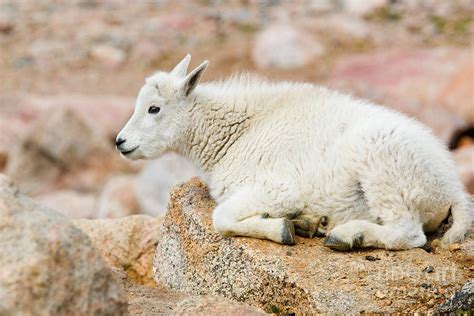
(245, 214)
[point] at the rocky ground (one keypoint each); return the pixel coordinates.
(69, 73)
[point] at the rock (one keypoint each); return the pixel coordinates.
(71, 204)
(61, 151)
(109, 56)
(458, 93)
(7, 21)
(420, 83)
(462, 301)
(107, 114)
(158, 177)
(341, 28)
(48, 266)
(454, 247)
(361, 8)
(118, 198)
(143, 300)
(464, 159)
(193, 258)
(126, 243)
(284, 46)
(209, 305)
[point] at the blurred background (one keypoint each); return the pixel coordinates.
(70, 71)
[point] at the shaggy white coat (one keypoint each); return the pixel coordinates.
(282, 148)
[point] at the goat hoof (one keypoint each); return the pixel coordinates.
(288, 233)
(308, 226)
(336, 243)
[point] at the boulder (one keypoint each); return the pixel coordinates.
(304, 279)
(18, 112)
(430, 85)
(62, 151)
(126, 243)
(118, 197)
(48, 266)
(284, 46)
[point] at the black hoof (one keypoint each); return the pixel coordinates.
(336, 244)
(288, 233)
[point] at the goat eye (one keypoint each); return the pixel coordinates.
(153, 109)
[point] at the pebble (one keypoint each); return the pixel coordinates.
(454, 247)
(380, 295)
(372, 258)
(428, 269)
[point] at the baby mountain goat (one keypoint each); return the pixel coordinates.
(280, 156)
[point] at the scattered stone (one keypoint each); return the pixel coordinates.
(428, 269)
(48, 266)
(454, 247)
(283, 46)
(380, 295)
(126, 243)
(425, 285)
(7, 22)
(371, 258)
(110, 56)
(361, 8)
(427, 247)
(193, 258)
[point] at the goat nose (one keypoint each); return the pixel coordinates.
(119, 141)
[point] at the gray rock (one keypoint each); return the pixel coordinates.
(48, 266)
(461, 301)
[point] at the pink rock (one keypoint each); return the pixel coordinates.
(18, 112)
(416, 82)
(62, 151)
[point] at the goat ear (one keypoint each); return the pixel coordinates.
(181, 69)
(192, 79)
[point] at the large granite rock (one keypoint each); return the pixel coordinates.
(60, 150)
(146, 301)
(126, 243)
(48, 266)
(306, 278)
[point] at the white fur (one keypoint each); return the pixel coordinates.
(281, 148)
